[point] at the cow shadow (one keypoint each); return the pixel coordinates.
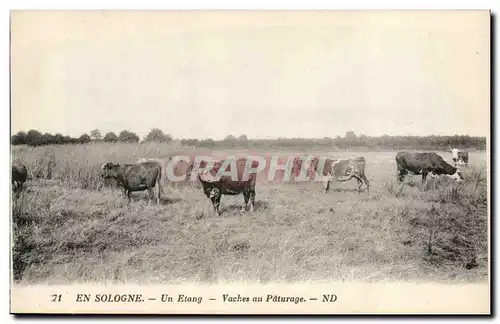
(169, 200)
(232, 208)
(347, 190)
(144, 198)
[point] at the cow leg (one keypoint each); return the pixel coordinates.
(401, 174)
(216, 203)
(326, 183)
(252, 200)
(246, 196)
(424, 176)
(128, 195)
(151, 194)
(367, 183)
(19, 186)
(15, 187)
(360, 184)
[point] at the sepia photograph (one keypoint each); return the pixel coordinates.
(250, 161)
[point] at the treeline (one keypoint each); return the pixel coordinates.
(35, 138)
(350, 140)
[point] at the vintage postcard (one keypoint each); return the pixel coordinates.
(250, 162)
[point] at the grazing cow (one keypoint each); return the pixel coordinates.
(424, 164)
(342, 170)
(135, 177)
(214, 187)
(460, 158)
(19, 176)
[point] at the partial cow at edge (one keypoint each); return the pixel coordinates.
(135, 177)
(342, 170)
(424, 164)
(19, 176)
(460, 158)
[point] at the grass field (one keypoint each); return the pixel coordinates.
(69, 227)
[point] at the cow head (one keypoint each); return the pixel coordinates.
(207, 176)
(109, 170)
(208, 170)
(214, 193)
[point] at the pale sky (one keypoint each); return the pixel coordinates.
(263, 74)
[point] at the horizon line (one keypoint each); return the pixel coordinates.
(333, 137)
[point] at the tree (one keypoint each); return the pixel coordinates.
(58, 139)
(190, 142)
(95, 134)
(18, 139)
(84, 139)
(157, 135)
(33, 137)
(47, 139)
(110, 137)
(209, 143)
(243, 138)
(68, 140)
(229, 138)
(350, 136)
(129, 137)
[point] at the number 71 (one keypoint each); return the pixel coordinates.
(55, 298)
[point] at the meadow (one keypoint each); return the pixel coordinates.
(70, 226)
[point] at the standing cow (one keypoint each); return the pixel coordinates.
(424, 164)
(135, 177)
(342, 170)
(214, 187)
(19, 176)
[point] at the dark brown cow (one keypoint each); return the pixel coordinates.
(214, 187)
(135, 177)
(19, 176)
(424, 164)
(342, 170)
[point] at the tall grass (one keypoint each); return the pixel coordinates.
(78, 166)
